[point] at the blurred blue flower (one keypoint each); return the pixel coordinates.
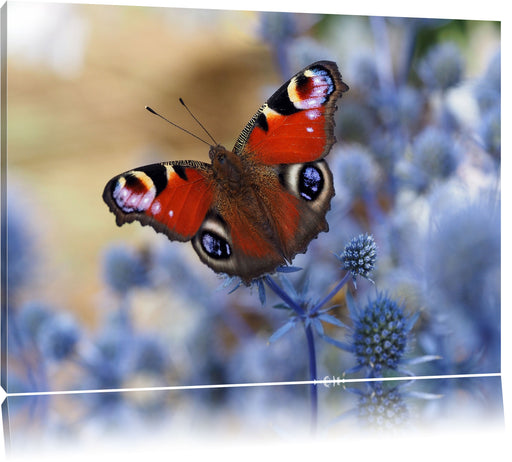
(258, 361)
(387, 148)
(110, 361)
(465, 244)
(277, 27)
(124, 268)
(434, 153)
(354, 171)
(354, 122)
(150, 355)
(490, 131)
(442, 67)
(364, 70)
(402, 109)
(31, 317)
(488, 88)
(58, 337)
(464, 261)
(305, 50)
(403, 233)
(434, 157)
(278, 30)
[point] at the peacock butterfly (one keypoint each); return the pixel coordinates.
(255, 207)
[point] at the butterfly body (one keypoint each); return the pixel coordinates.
(255, 207)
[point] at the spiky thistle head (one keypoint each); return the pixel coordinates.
(381, 331)
(359, 256)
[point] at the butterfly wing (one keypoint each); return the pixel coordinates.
(296, 124)
(171, 197)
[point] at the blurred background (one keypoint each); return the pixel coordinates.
(417, 165)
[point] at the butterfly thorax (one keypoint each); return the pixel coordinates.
(227, 169)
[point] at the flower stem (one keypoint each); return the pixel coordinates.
(284, 296)
(332, 293)
(311, 346)
(312, 376)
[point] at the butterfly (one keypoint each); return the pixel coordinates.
(252, 209)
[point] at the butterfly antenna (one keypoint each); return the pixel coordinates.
(199, 123)
(177, 126)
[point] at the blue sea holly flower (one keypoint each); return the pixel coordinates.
(359, 256)
(442, 67)
(380, 335)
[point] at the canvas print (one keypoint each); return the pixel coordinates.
(279, 222)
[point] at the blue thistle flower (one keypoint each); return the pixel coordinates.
(380, 335)
(359, 256)
(442, 67)
(124, 268)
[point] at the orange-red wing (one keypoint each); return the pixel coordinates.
(296, 124)
(171, 197)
